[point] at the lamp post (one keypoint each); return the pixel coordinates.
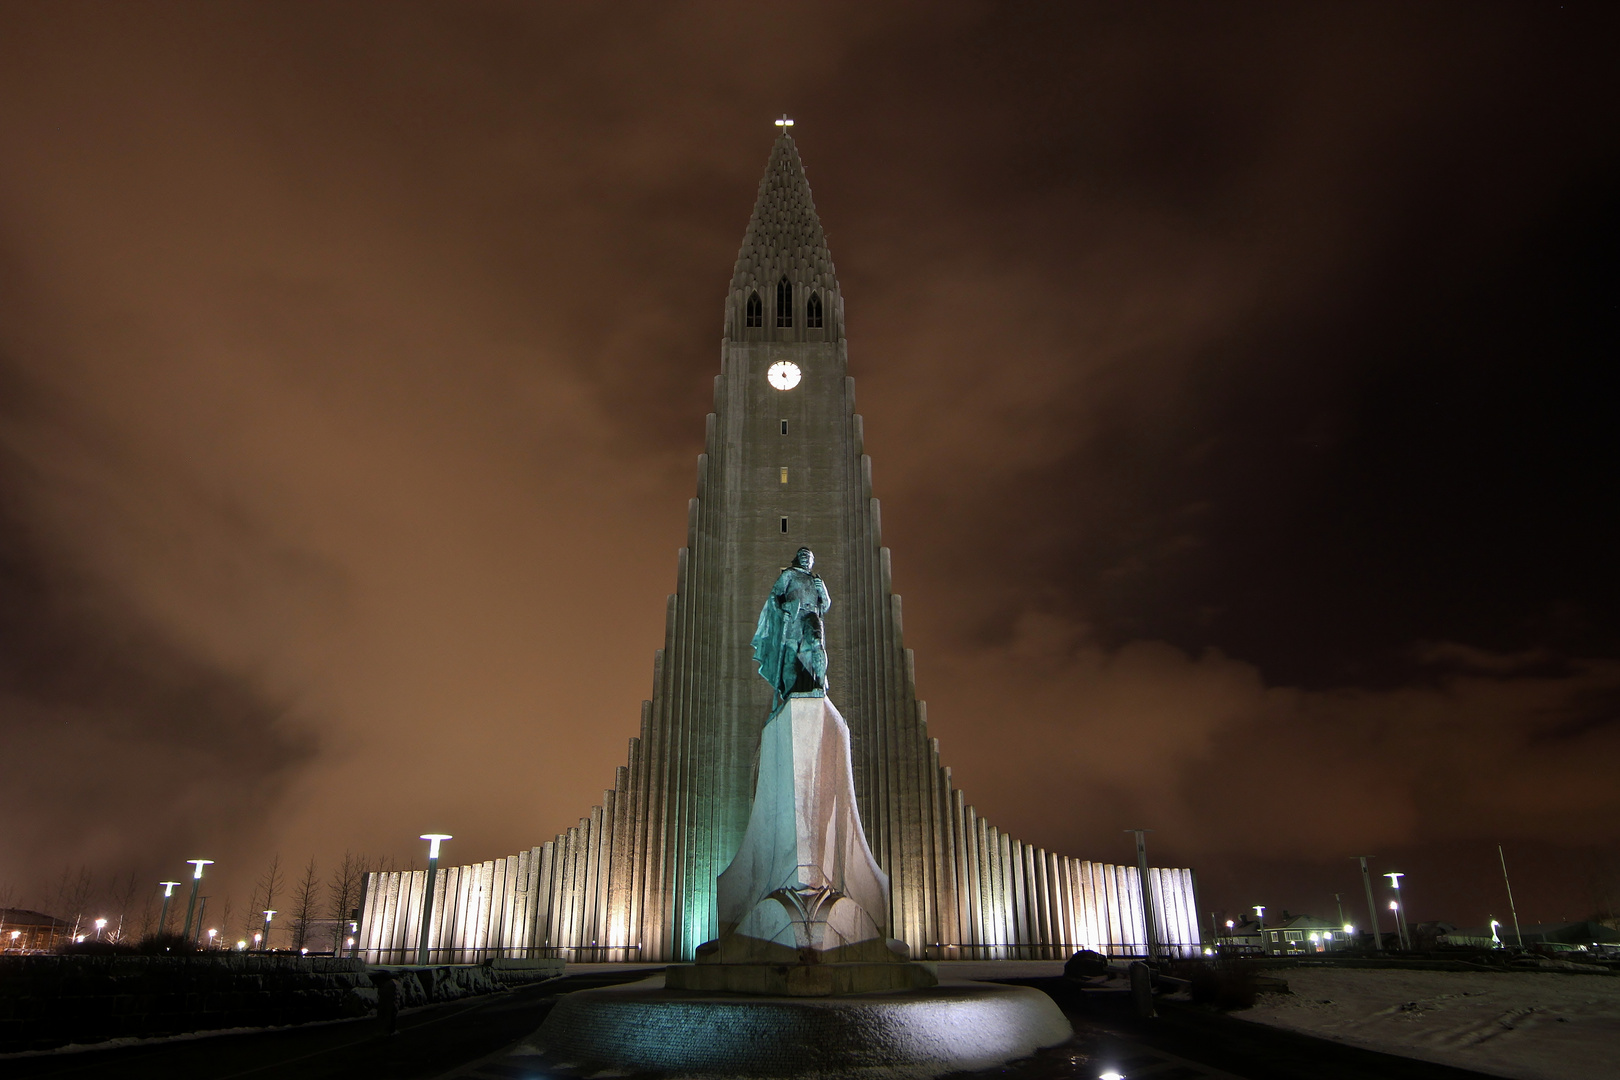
(1147, 892)
(1399, 909)
(269, 914)
(196, 880)
(101, 924)
(1511, 908)
(434, 839)
(163, 916)
(1372, 908)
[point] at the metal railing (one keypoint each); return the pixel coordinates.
(451, 954)
(1048, 950)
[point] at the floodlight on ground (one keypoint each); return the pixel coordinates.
(1111, 1075)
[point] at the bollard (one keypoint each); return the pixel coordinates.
(1141, 989)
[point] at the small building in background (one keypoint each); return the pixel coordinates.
(23, 931)
(1299, 935)
(1241, 938)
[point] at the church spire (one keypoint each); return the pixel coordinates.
(784, 287)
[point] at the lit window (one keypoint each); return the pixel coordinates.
(1295, 935)
(756, 311)
(812, 312)
(784, 474)
(784, 302)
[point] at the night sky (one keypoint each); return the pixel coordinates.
(1234, 379)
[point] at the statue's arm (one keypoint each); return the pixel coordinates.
(781, 591)
(821, 592)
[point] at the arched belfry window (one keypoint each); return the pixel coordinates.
(812, 312)
(784, 302)
(756, 311)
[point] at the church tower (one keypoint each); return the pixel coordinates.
(783, 467)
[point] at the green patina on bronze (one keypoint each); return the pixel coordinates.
(790, 641)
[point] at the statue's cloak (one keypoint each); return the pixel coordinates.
(798, 598)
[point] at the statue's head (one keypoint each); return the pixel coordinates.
(805, 559)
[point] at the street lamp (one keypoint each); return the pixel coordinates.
(211, 934)
(269, 914)
(1400, 910)
(434, 840)
(163, 916)
(101, 924)
(196, 880)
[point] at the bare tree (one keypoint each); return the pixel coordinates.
(306, 904)
(343, 896)
(77, 893)
(225, 921)
(253, 917)
(269, 887)
(122, 893)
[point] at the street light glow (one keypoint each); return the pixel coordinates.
(434, 839)
(200, 863)
(168, 887)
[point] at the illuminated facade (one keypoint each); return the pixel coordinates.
(783, 467)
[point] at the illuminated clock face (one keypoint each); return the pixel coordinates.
(783, 375)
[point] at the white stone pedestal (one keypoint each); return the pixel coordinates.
(803, 907)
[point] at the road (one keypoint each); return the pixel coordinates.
(431, 1042)
(466, 1040)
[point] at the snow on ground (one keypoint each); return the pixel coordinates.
(1525, 1025)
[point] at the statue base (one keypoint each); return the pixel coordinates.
(802, 980)
(643, 1027)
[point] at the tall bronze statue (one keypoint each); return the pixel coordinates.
(790, 643)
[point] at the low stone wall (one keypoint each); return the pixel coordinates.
(50, 1001)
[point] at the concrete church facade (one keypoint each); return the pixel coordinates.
(783, 468)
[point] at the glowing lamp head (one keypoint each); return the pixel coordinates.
(1393, 905)
(1349, 929)
(1111, 1075)
(784, 123)
(1395, 880)
(199, 864)
(1230, 924)
(100, 923)
(168, 887)
(434, 839)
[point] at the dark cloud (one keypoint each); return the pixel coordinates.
(1231, 377)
